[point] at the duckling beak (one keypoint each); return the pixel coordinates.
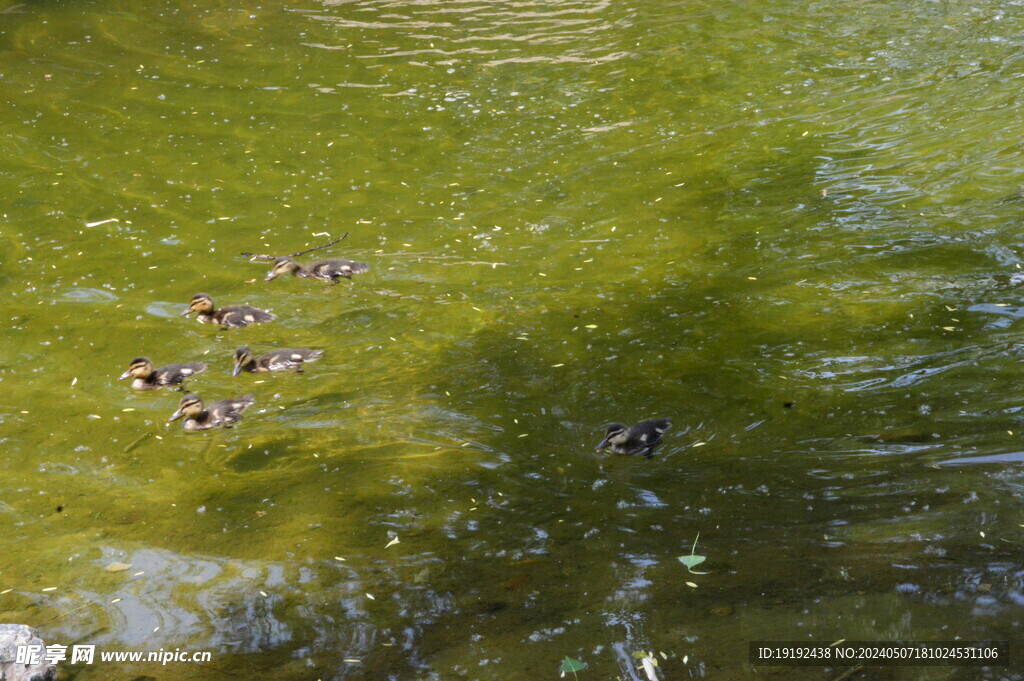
(270, 277)
(186, 312)
(125, 375)
(175, 416)
(238, 369)
(604, 443)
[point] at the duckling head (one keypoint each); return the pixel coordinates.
(282, 266)
(189, 407)
(243, 356)
(614, 434)
(139, 368)
(201, 303)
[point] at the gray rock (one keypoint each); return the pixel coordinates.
(12, 636)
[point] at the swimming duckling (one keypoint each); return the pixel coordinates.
(325, 270)
(198, 417)
(276, 360)
(148, 378)
(232, 317)
(640, 439)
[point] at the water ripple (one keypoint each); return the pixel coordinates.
(519, 32)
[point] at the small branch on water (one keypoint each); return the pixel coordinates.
(138, 441)
(849, 672)
(256, 256)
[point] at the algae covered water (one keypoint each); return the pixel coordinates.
(792, 228)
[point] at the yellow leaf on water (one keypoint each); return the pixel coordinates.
(118, 567)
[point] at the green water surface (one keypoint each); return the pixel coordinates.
(791, 227)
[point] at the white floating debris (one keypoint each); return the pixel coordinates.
(649, 664)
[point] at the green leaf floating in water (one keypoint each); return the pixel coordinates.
(571, 665)
(693, 559)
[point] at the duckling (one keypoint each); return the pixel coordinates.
(640, 439)
(148, 378)
(230, 317)
(276, 360)
(325, 270)
(198, 417)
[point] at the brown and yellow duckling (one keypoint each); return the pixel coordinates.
(639, 439)
(325, 270)
(232, 316)
(148, 378)
(198, 417)
(276, 360)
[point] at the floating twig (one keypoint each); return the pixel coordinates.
(256, 256)
(849, 672)
(138, 441)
